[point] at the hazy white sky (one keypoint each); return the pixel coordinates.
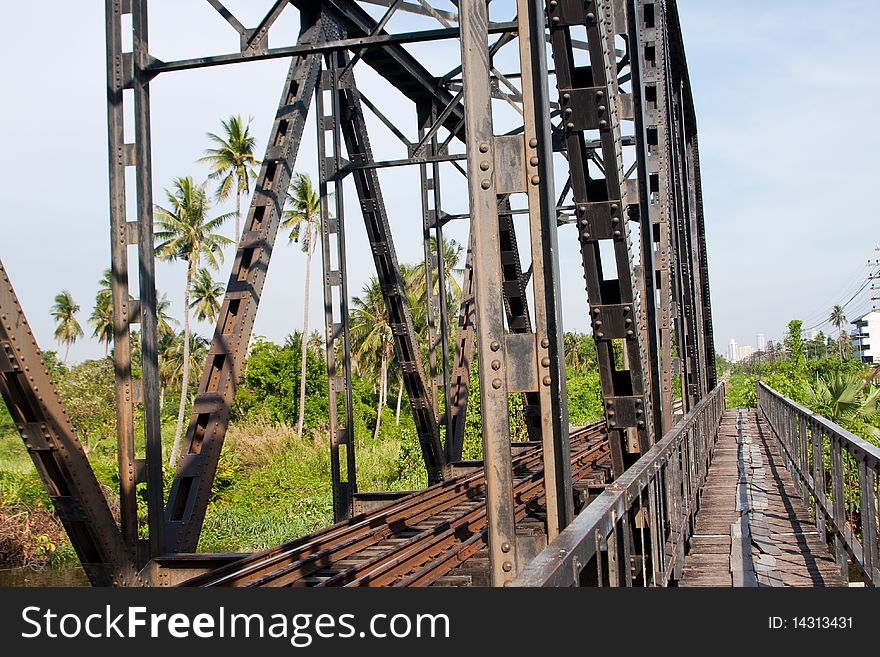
(785, 93)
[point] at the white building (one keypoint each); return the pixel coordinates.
(761, 342)
(745, 351)
(866, 337)
(732, 352)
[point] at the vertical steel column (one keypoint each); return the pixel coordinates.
(646, 223)
(126, 71)
(429, 219)
(464, 353)
(548, 335)
(489, 302)
(147, 283)
(432, 212)
(686, 336)
(589, 99)
(655, 73)
(708, 328)
(119, 77)
(406, 347)
(337, 327)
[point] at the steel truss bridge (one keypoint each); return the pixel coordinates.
(557, 113)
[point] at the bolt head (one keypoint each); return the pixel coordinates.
(533, 143)
(484, 147)
(495, 346)
(547, 381)
(496, 383)
(545, 342)
(496, 365)
(485, 184)
(484, 165)
(545, 362)
(507, 566)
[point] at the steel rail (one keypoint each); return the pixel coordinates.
(529, 493)
(365, 529)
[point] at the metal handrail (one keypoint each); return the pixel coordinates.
(805, 439)
(657, 498)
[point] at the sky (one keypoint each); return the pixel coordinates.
(785, 92)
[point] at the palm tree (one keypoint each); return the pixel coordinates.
(452, 252)
(303, 218)
(164, 321)
(838, 319)
(316, 343)
(185, 232)
(843, 398)
(101, 319)
(68, 329)
(206, 296)
(371, 332)
(233, 163)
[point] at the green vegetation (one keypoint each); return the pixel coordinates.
(813, 373)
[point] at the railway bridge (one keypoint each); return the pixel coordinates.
(564, 121)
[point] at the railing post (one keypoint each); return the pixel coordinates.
(869, 520)
(802, 453)
(819, 486)
(838, 493)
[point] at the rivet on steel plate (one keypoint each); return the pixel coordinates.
(495, 346)
(496, 383)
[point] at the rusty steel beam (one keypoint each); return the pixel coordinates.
(61, 462)
(590, 102)
(200, 454)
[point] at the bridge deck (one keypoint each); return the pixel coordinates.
(752, 528)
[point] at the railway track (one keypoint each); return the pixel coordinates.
(432, 537)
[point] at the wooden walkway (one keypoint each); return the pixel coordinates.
(752, 529)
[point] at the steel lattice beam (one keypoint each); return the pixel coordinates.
(61, 462)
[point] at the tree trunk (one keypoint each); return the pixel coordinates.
(66, 352)
(161, 399)
(399, 395)
(305, 334)
(382, 386)
(184, 385)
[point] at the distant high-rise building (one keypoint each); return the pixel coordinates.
(732, 353)
(762, 343)
(745, 351)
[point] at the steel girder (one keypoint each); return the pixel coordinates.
(126, 71)
(589, 99)
(349, 115)
(523, 356)
(200, 454)
(59, 457)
